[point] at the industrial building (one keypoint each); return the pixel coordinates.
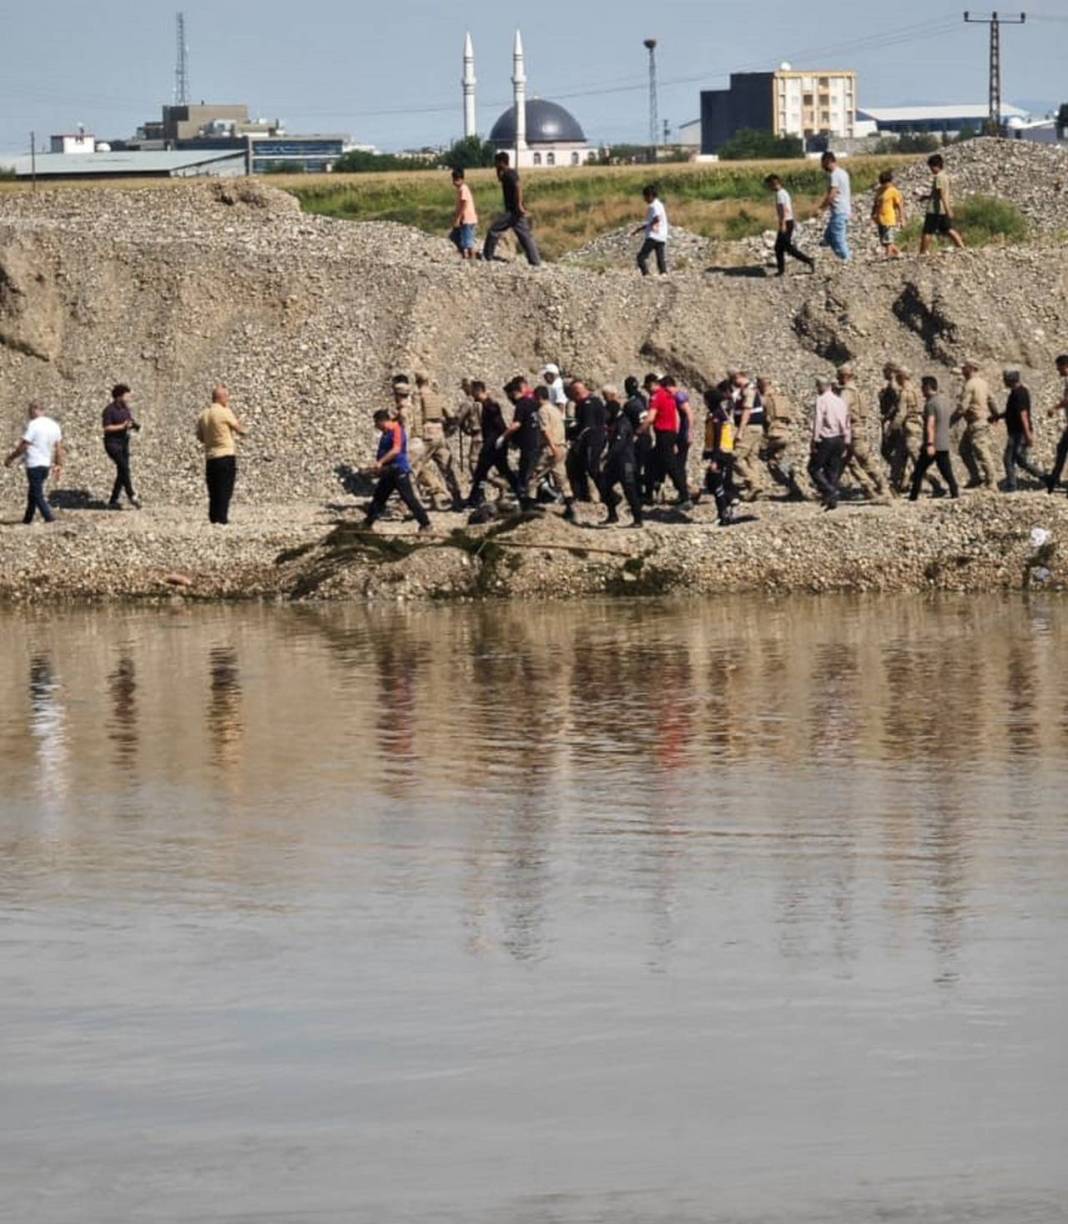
(788, 102)
(265, 144)
(108, 164)
(949, 120)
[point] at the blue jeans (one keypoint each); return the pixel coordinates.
(35, 497)
(836, 236)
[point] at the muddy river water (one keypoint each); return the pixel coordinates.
(734, 911)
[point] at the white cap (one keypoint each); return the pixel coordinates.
(554, 370)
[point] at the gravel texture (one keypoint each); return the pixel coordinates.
(306, 318)
(983, 542)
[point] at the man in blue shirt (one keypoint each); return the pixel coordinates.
(394, 471)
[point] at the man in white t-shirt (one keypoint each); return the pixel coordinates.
(41, 451)
(655, 228)
(838, 204)
(784, 238)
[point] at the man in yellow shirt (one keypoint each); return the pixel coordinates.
(217, 431)
(888, 213)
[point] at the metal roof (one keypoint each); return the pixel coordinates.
(919, 114)
(73, 164)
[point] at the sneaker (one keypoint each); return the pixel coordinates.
(114, 506)
(684, 506)
(569, 514)
(135, 502)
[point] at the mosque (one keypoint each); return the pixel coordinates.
(537, 133)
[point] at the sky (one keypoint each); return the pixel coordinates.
(389, 75)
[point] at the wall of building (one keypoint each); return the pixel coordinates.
(746, 104)
(810, 103)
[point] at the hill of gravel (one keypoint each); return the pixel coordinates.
(305, 318)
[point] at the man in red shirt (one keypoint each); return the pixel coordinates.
(663, 420)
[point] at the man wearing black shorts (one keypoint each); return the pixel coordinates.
(939, 219)
(525, 430)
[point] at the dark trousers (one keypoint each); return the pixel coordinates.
(784, 245)
(651, 247)
(584, 463)
(945, 466)
(391, 481)
(36, 478)
(1062, 458)
(825, 467)
(622, 471)
(489, 458)
(667, 462)
(1018, 454)
(720, 483)
(521, 226)
(221, 476)
(645, 449)
(118, 451)
(528, 461)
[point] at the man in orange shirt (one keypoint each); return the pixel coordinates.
(465, 221)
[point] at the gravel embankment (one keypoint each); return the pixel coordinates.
(984, 542)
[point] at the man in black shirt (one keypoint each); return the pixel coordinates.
(118, 421)
(621, 463)
(1017, 418)
(587, 446)
(515, 215)
(525, 430)
(490, 456)
(1053, 482)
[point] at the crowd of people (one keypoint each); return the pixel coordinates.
(561, 442)
(889, 214)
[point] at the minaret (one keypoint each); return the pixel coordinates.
(519, 80)
(469, 83)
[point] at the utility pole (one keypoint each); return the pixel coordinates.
(181, 67)
(654, 100)
(995, 21)
(33, 161)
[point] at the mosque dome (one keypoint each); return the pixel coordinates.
(547, 123)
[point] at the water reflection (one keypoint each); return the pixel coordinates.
(569, 897)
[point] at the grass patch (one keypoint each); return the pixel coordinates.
(982, 221)
(572, 207)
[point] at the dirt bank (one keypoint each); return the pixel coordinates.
(311, 552)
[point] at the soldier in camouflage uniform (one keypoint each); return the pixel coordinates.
(406, 411)
(749, 434)
(911, 438)
(889, 417)
(438, 421)
(976, 408)
(778, 423)
(861, 463)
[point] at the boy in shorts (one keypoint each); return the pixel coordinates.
(464, 232)
(939, 219)
(888, 213)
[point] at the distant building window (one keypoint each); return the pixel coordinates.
(574, 159)
(537, 159)
(550, 159)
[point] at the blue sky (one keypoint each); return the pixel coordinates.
(389, 75)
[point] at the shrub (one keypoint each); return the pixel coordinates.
(751, 145)
(471, 153)
(359, 161)
(983, 221)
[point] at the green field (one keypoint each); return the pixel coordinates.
(571, 207)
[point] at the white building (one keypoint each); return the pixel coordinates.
(78, 142)
(537, 133)
(818, 103)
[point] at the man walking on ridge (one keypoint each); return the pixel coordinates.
(515, 218)
(784, 240)
(1017, 418)
(976, 409)
(830, 437)
(464, 231)
(394, 472)
(939, 219)
(118, 421)
(1061, 409)
(838, 204)
(217, 431)
(41, 452)
(655, 227)
(937, 415)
